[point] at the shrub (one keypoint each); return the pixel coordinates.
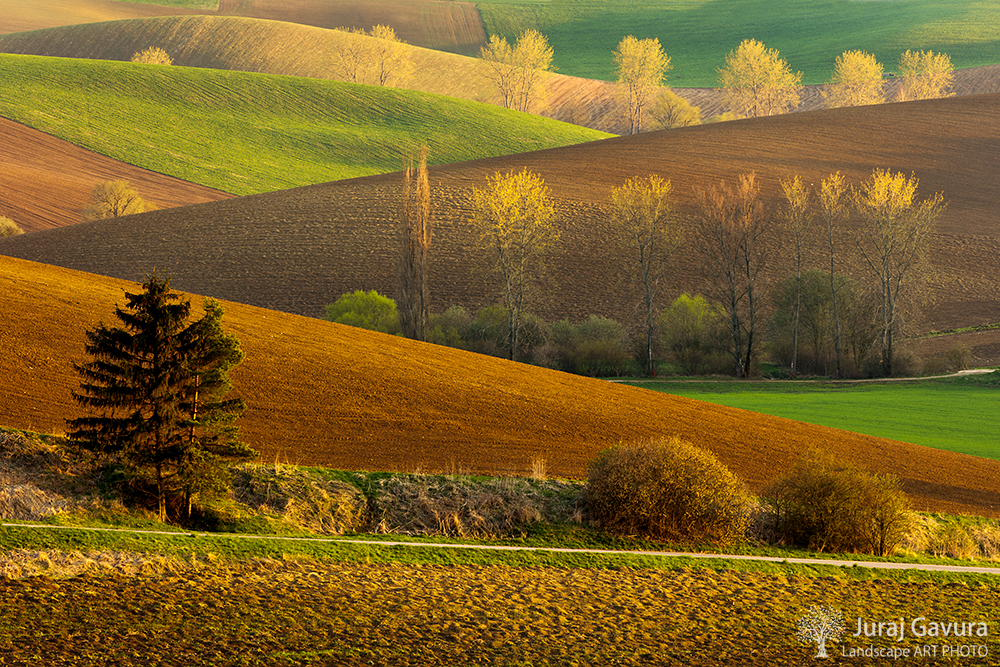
(366, 310)
(153, 55)
(8, 227)
(828, 504)
(668, 489)
(112, 199)
(959, 357)
(450, 327)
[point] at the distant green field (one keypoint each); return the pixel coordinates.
(697, 34)
(957, 414)
(248, 133)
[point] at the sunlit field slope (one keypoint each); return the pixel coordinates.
(245, 133)
(273, 47)
(321, 393)
(697, 34)
(298, 250)
(20, 15)
(46, 182)
(253, 45)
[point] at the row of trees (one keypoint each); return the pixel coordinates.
(735, 236)
(757, 81)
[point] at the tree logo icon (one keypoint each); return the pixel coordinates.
(821, 624)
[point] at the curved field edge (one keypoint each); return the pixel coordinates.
(247, 133)
(330, 395)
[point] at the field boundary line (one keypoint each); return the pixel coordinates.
(888, 565)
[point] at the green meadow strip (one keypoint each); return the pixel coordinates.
(248, 133)
(957, 414)
(697, 34)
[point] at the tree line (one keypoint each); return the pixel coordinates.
(856, 257)
(756, 80)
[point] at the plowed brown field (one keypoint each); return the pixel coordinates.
(46, 182)
(297, 250)
(321, 393)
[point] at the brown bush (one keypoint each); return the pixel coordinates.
(668, 489)
(828, 504)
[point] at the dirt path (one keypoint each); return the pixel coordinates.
(969, 569)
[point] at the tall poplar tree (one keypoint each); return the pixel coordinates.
(414, 292)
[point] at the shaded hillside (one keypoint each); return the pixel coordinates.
(321, 393)
(45, 182)
(297, 250)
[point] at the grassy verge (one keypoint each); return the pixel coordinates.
(697, 34)
(955, 414)
(248, 133)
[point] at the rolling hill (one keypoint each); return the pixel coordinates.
(325, 394)
(245, 133)
(243, 44)
(299, 249)
(46, 182)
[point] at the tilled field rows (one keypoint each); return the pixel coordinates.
(353, 614)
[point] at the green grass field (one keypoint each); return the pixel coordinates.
(698, 34)
(248, 133)
(957, 414)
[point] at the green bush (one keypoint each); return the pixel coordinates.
(366, 310)
(827, 504)
(668, 489)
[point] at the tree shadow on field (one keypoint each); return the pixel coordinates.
(960, 499)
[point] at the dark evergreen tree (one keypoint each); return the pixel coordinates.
(156, 393)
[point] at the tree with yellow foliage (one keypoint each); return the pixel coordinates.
(857, 81)
(925, 75)
(112, 199)
(514, 215)
(646, 226)
(758, 82)
(640, 66)
(153, 55)
(518, 71)
(893, 240)
(376, 57)
(670, 110)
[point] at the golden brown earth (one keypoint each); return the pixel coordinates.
(325, 394)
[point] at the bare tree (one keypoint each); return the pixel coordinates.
(112, 199)
(833, 195)
(925, 75)
(893, 239)
(376, 57)
(758, 82)
(730, 229)
(640, 66)
(857, 81)
(797, 217)
(645, 224)
(414, 293)
(515, 218)
(517, 72)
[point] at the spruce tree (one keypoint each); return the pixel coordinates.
(156, 393)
